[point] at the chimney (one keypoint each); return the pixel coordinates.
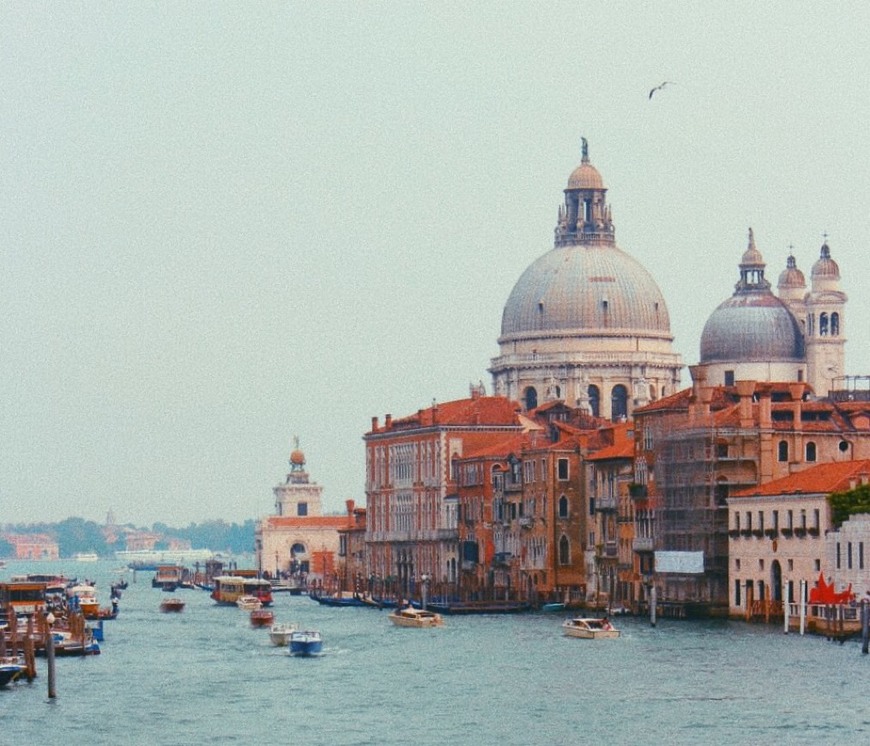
(745, 390)
(349, 504)
(374, 424)
(764, 409)
(388, 421)
(796, 390)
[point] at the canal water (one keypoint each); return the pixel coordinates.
(206, 677)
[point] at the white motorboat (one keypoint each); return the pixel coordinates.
(589, 628)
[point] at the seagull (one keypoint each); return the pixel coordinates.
(659, 87)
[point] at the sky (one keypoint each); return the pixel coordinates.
(227, 225)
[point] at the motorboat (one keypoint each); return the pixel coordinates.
(11, 667)
(305, 643)
(262, 617)
(589, 628)
(279, 634)
(83, 598)
(173, 604)
(553, 606)
(249, 603)
(411, 617)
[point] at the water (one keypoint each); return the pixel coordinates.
(205, 676)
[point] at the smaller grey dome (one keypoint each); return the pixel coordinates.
(752, 327)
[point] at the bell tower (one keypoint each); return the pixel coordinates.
(825, 327)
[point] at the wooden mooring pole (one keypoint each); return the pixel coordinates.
(49, 659)
(865, 627)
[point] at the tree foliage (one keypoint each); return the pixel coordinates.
(848, 503)
(79, 535)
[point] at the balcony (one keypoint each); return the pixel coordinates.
(642, 544)
(603, 504)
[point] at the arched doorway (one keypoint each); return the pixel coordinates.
(775, 581)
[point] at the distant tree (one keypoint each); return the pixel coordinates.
(848, 503)
(6, 549)
(78, 535)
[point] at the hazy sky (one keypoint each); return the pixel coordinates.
(226, 224)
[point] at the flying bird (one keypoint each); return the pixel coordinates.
(659, 87)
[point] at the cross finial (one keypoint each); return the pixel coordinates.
(584, 149)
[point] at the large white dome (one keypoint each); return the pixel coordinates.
(579, 289)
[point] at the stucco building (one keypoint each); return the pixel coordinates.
(299, 539)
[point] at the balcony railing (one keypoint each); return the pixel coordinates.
(605, 503)
(642, 544)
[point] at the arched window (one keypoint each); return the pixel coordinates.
(823, 325)
(564, 551)
(811, 451)
(835, 324)
(594, 400)
(530, 398)
(619, 402)
(563, 507)
(783, 451)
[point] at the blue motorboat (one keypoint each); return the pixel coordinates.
(305, 643)
(11, 667)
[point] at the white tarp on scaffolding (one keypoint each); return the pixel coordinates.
(686, 563)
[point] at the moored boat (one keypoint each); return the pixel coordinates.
(279, 634)
(168, 605)
(305, 643)
(411, 617)
(336, 599)
(84, 597)
(553, 606)
(589, 628)
(11, 667)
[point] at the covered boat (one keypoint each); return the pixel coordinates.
(589, 628)
(228, 589)
(411, 617)
(248, 603)
(279, 634)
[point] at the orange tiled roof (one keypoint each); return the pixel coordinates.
(824, 478)
(500, 449)
(483, 410)
(310, 521)
(618, 450)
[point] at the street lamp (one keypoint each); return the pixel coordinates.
(425, 580)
